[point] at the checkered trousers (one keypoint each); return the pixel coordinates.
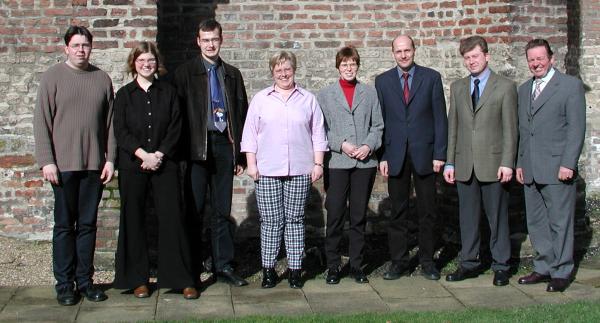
(281, 202)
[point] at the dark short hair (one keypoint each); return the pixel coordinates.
(539, 42)
(210, 25)
(469, 43)
(77, 30)
(142, 48)
(347, 53)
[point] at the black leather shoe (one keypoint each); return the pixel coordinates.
(333, 276)
(462, 274)
(359, 276)
(557, 285)
(229, 276)
(269, 278)
(66, 296)
(534, 278)
(93, 294)
(295, 278)
(430, 272)
(394, 272)
(501, 278)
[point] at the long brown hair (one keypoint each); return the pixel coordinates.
(142, 48)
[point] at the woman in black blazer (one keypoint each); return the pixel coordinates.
(147, 126)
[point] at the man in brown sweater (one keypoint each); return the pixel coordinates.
(75, 148)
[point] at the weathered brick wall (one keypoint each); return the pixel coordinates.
(30, 41)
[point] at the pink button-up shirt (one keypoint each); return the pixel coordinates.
(284, 134)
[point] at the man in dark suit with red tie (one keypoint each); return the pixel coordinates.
(414, 145)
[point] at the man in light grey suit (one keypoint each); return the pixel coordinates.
(482, 142)
(552, 130)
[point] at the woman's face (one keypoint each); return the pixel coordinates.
(145, 65)
(348, 69)
(283, 75)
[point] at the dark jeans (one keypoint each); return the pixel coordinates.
(347, 189)
(399, 191)
(76, 201)
(217, 173)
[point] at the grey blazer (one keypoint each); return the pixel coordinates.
(486, 139)
(361, 125)
(552, 128)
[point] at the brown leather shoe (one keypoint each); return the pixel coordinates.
(534, 278)
(141, 291)
(190, 293)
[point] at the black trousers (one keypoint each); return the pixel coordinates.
(76, 200)
(399, 191)
(132, 263)
(215, 173)
(351, 189)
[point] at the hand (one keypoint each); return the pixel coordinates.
(383, 168)
(504, 174)
(150, 161)
(565, 174)
(107, 172)
(252, 171)
(317, 173)
(362, 152)
(238, 170)
(349, 149)
(438, 165)
(520, 177)
(449, 175)
(50, 173)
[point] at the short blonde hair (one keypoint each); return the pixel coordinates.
(142, 48)
(282, 57)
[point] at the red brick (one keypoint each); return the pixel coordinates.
(500, 29)
(104, 44)
(58, 12)
(79, 3)
(118, 2)
(143, 11)
(85, 12)
(302, 25)
(140, 22)
(118, 12)
(331, 26)
(322, 7)
(11, 161)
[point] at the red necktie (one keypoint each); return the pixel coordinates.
(406, 90)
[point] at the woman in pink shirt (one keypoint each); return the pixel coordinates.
(284, 141)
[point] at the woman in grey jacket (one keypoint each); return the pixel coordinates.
(354, 127)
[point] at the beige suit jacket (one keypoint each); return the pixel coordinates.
(481, 141)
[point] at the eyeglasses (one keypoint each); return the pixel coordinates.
(151, 61)
(350, 66)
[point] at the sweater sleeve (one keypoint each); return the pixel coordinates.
(43, 117)
(111, 149)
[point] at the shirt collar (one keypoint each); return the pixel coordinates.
(411, 71)
(483, 76)
(546, 78)
(296, 89)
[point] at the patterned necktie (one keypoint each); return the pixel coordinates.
(538, 89)
(475, 94)
(406, 93)
(216, 97)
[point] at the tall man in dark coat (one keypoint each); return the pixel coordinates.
(414, 145)
(552, 131)
(214, 106)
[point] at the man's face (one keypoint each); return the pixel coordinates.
(404, 53)
(210, 44)
(78, 51)
(476, 60)
(539, 61)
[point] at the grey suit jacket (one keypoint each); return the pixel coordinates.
(480, 141)
(552, 128)
(361, 125)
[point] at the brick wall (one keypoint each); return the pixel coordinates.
(30, 41)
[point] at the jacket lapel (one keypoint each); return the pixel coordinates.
(340, 98)
(416, 83)
(358, 95)
(549, 90)
(487, 91)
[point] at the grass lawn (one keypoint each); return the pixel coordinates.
(571, 312)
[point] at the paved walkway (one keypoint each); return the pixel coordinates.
(222, 301)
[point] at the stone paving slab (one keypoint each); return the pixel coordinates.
(115, 314)
(492, 297)
(316, 286)
(6, 293)
(408, 288)
(254, 294)
(19, 312)
(424, 304)
(484, 280)
(580, 292)
(274, 307)
(35, 295)
(343, 302)
(175, 307)
(217, 289)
